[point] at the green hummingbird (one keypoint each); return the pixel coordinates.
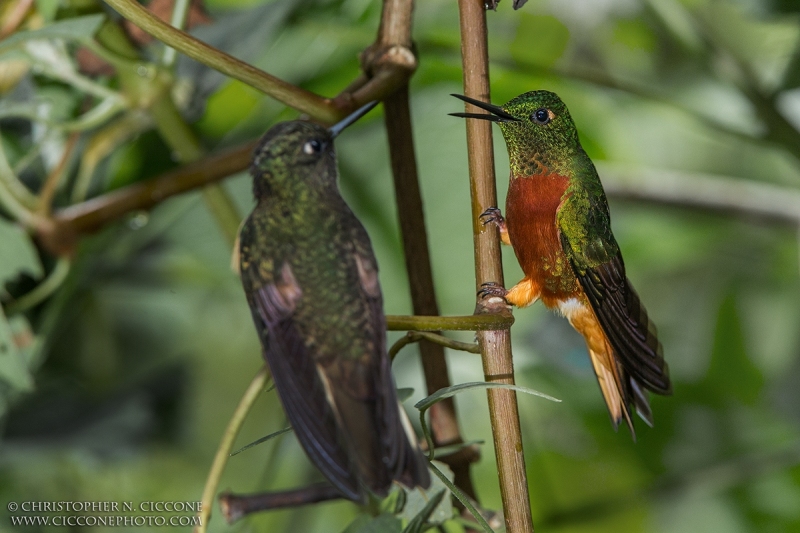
(311, 280)
(558, 223)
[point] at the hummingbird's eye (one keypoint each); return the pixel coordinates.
(312, 147)
(541, 116)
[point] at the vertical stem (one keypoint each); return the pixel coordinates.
(495, 345)
(226, 445)
(444, 423)
(180, 11)
(395, 30)
(180, 137)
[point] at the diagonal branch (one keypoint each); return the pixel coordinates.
(61, 233)
(300, 99)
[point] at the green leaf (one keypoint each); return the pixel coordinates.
(17, 254)
(448, 392)
(404, 393)
(13, 364)
(47, 9)
(418, 502)
(463, 498)
(262, 439)
(383, 523)
(426, 403)
(551, 37)
(420, 520)
(77, 29)
(453, 448)
(395, 502)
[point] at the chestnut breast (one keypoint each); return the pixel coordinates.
(531, 207)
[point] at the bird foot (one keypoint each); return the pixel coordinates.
(492, 289)
(492, 215)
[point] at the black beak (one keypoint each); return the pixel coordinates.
(337, 128)
(498, 115)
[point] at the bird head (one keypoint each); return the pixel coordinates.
(298, 154)
(536, 126)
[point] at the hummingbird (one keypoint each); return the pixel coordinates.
(311, 281)
(558, 223)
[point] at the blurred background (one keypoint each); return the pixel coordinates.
(130, 365)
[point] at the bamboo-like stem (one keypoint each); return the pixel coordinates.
(300, 99)
(498, 366)
(226, 445)
(394, 38)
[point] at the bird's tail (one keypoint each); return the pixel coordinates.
(621, 392)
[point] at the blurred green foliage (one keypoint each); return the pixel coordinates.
(120, 382)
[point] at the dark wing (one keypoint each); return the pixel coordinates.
(299, 385)
(624, 319)
(399, 456)
(597, 263)
(344, 409)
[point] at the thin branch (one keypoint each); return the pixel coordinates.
(180, 11)
(300, 99)
(221, 205)
(9, 201)
(415, 336)
(236, 506)
(42, 291)
(48, 190)
(102, 143)
(14, 187)
(448, 323)
(498, 366)
(92, 215)
(226, 444)
(183, 142)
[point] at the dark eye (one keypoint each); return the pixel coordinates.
(312, 147)
(541, 116)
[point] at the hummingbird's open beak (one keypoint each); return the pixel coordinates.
(337, 128)
(498, 114)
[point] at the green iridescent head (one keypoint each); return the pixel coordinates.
(298, 155)
(292, 155)
(539, 132)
